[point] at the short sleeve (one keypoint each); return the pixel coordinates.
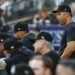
(70, 34)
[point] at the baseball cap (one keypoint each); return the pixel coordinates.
(63, 8)
(21, 69)
(44, 35)
(11, 44)
(3, 37)
(21, 26)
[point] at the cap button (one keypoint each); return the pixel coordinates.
(65, 9)
(42, 37)
(19, 29)
(12, 47)
(1, 40)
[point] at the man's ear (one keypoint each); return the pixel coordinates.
(67, 14)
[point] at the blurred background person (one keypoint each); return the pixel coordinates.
(41, 65)
(3, 37)
(4, 4)
(73, 11)
(42, 18)
(66, 67)
(13, 54)
(2, 13)
(43, 46)
(21, 32)
(58, 2)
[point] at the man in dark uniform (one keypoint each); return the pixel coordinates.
(3, 37)
(21, 32)
(64, 16)
(21, 69)
(43, 45)
(14, 54)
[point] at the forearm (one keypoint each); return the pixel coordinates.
(67, 53)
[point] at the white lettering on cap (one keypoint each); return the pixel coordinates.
(42, 37)
(65, 9)
(12, 47)
(19, 28)
(2, 40)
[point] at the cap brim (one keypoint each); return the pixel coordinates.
(36, 38)
(55, 11)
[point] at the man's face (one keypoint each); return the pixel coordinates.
(38, 45)
(61, 17)
(61, 70)
(37, 67)
(42, 14)
(16, 34)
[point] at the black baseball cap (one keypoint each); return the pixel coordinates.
(62, 8)
(21, 26)
(44, 35)
(3, 37)
(11, 43)
(21, 69)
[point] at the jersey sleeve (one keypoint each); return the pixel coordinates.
(70, 34)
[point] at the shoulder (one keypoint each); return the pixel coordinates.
(30, 36)
(71, 26)
(52, 53)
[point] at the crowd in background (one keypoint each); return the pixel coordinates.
(30, 52)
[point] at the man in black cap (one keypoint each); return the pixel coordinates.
(3, 37)
(14, 55)
(21, 69)
(64, 16)
(43, 45)
(21, 31)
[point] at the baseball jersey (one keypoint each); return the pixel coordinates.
(69, 35)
